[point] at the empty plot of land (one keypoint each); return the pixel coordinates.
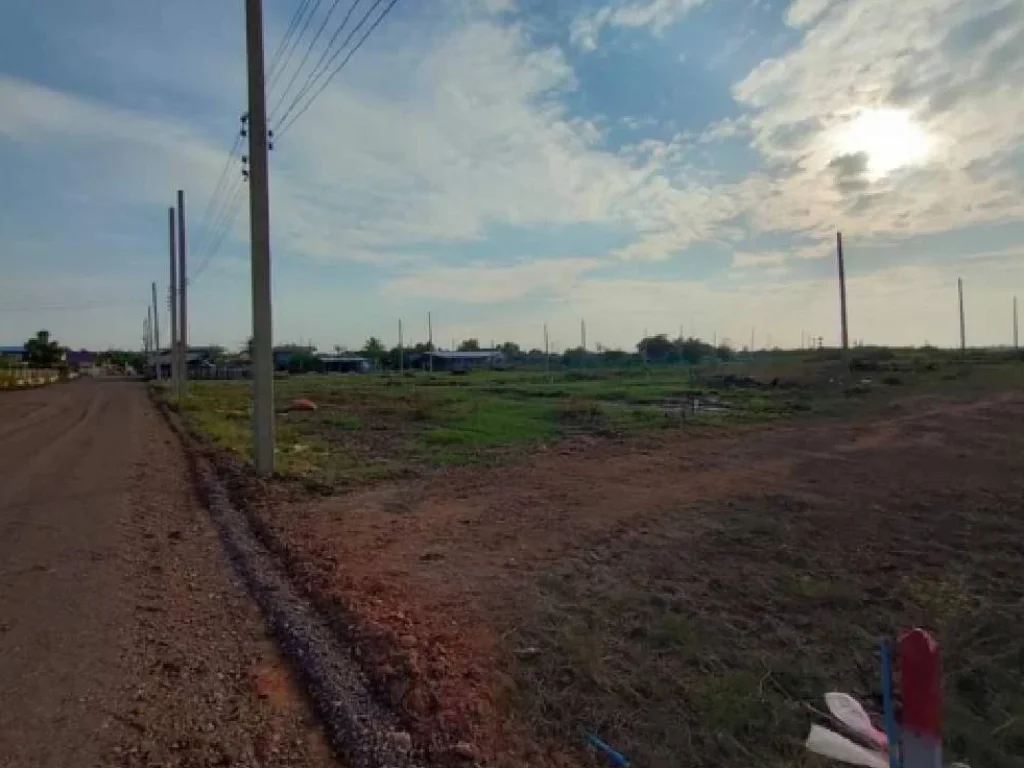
(684, 592)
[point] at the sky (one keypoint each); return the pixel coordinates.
(646, 165)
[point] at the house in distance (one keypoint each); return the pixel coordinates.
(458, 362)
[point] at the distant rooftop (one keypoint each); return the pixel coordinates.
(453, 355)
(15, 350)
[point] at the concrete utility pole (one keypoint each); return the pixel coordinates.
(960, 296)
(1015, 323)
(173, 291)
(547, 353)
(401, 355)
(149, 335)
(259, 224)
(842, 291)
(182, 300)
(430, 340)
(156, 332)
(583, 342)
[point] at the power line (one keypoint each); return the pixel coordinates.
(292, 25)
(340, 67)
(322, 67)
(223, 211)
(309, 50)
(205, 220)
(293, 45)
(225, 219)
(233, 209)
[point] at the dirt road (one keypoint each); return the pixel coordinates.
(125, 639)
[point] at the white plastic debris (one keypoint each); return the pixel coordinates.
(830, 744)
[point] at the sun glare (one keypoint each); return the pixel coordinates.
(889, 137)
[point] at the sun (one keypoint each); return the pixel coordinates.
(890, 138)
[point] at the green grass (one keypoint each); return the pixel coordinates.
(372, 427)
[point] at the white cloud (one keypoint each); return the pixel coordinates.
(484, 284)
(151, 156)
(656, 15)
(744, 260)
(724, 129)
(952, 66)
(481, 140)
(485, 140)
(803, 12)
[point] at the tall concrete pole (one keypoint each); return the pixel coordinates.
(842, 291)
(960, 296)
(156, 332)
(583, 342)
(1015, 346)
(430, 340)
(173, 291)
(182, 300)
(259, 224)
(547, 352)
(401, 355)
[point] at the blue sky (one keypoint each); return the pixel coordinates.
(644, 164)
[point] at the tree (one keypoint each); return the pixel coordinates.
(693, 350)
(511, 350)
(217, 354)
(614, 356)
(122, 359)
(41, 351)
(656, 348)
(374, 349)
(469, 345)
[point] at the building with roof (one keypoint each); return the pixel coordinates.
(345, 364)
(13, 354)
(459, 361)
(81, 359)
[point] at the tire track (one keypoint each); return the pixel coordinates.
(37, 416)
(22, 473)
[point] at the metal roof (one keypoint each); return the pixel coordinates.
(17, 350)
(475, 355)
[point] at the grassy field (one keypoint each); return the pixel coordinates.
(521, 558)
(378, 427)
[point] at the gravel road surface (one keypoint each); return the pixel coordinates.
(125, 638)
